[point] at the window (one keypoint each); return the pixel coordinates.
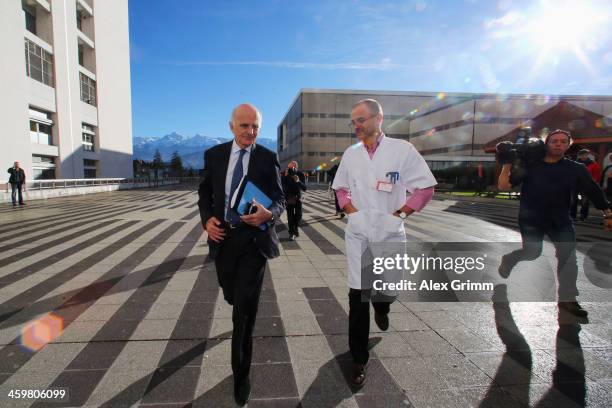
(40, 133)
(39, 63)
(89, 137)
(43, 167)
(79, 20)
(88, 89)
(81, 59)
(90, 168)
(30, 18)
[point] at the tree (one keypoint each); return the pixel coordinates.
(158, 163)
(176, 164)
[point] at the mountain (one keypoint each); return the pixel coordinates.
(191, 149)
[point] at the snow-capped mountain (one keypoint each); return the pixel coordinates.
(191, 149)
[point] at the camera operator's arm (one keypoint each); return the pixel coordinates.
(503, 183)
(587, 186)
(300, 180)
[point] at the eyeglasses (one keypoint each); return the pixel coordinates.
(359, 121)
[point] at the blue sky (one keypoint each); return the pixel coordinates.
(192, 61)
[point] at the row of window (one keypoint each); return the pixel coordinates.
(42, 133)
(43, 168)
(39, 66)
(346, 116)
(324, 154)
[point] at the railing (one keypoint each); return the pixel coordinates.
(73, 183)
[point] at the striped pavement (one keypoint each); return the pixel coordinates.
(110, 297)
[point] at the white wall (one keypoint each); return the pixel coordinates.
(14, 124)
(114, 97)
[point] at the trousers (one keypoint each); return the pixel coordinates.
(240, 270)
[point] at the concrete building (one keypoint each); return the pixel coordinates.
(450, 130)
(65, 100)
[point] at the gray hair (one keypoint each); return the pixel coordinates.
(373, 105)
(250, 105)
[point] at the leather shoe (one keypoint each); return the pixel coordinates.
(242, 393)
(382, 321)
(358, 376)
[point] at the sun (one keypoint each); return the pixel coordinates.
(564, 25)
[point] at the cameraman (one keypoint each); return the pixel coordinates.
(546, 194)
(294, 182)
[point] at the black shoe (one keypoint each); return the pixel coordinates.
(22, 204)
(382, 321)
(242, 393)
(358, 375)
(291, 237)
(573, 308)
(342, 215)
(297, 234)
(14, 205)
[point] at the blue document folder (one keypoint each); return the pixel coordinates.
(245, 194)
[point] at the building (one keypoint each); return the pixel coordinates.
(453, 131)
(65, 100)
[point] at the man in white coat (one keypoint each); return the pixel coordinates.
(371, 184)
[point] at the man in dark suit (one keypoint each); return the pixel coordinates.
(239, 247)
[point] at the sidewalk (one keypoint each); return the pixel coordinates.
(144, 324)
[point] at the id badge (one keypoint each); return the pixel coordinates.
(384, 186)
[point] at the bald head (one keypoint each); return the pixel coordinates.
(244, 124)
(245, 107)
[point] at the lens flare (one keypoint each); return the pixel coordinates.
(41, 331)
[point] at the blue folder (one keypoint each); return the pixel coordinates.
(245, 194)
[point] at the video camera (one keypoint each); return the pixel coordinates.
(525, 151)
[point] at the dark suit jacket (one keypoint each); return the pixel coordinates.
(263, 171)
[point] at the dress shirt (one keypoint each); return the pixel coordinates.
(230, 169)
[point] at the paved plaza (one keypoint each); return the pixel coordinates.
(109, 297)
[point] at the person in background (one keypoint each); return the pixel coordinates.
(17, 180)
(294, 182)
(585, 158)
(606, 176)
(331, 175)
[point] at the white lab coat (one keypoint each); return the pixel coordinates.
(374, 222)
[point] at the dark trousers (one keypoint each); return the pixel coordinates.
(240, 269)
(16, 189)
(359, 322)
(294, 216)
(584, 206)
(564, 240)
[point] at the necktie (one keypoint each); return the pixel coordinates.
(232, 216)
